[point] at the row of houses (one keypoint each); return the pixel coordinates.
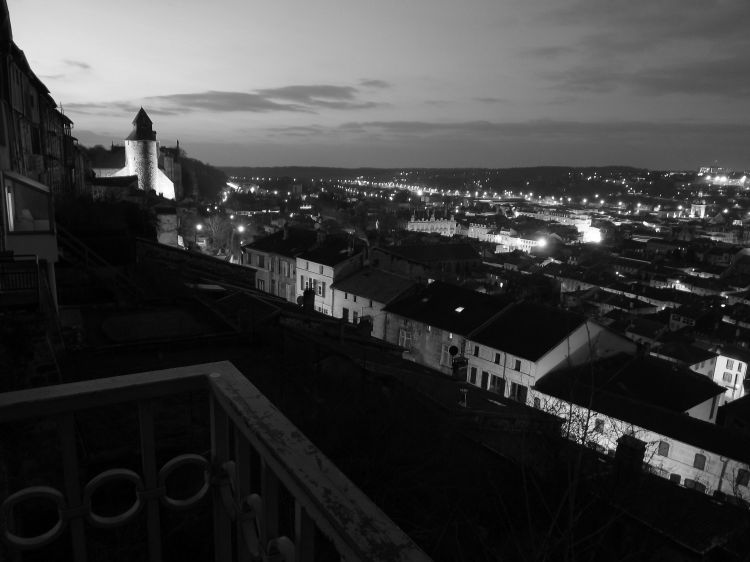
(599, 381)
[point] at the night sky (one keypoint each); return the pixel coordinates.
(495, 83)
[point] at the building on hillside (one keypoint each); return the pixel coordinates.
(39, 158)
(429, 322)
(672, 409)
(429, 261)
(319, 267)
(444, 226)
(364, 294)
(274, 259)
(142, 159)
(726, 366)
(519, 346)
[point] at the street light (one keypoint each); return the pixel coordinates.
(198, 228)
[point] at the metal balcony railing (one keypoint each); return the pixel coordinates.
(245, 521)
(19, 281)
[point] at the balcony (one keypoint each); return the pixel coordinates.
(19, 282)
(272, 494)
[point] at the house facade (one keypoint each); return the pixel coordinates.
(274, 259)
(364, 295)
(508, 354)
(319, 267)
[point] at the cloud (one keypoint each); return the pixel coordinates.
(723, 77)
(375, 84)
(221, 102)
(77, 64)
(295, 98)
(548, 52)
(491, 100)
(547, 128)
(114, 109)
(318, 95)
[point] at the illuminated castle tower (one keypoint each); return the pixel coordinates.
(142, 153)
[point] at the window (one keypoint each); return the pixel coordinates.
(29, 208)
(727, 377)
(370, 303)
(261, 284)
(261, 261)
(497, 385)
(354, 297)
(404, 337)
(699, 461)
(429, 328)
(345, 315)
(346, 296)
(301, 282)
(741, 368)
(730, 364)
(518, 392)
(473, 375)
(476, 351)
(445, 356)
(355, 319)
(743, 477)
(450, 335)
(537, 403)
(663, 449)
(694, 485)
(599, 425)
(497, 358)
(517, 365)
(676, 478)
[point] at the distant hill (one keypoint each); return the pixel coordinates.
(314, 172)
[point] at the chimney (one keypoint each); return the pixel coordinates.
(629, 459)
(308, 301)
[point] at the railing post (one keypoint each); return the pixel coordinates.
(242, 477)
(269, 485)
(150, 478)
(220, 455)
(304, 535)
(73, 496)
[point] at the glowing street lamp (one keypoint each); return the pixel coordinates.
(198, 228)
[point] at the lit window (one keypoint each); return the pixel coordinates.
(460, 309)
(28, 206)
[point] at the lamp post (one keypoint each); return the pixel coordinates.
(240, 229)
(198, 228)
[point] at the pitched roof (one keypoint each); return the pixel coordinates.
(684, 353)
(376, 284)
(142, 127)
(653, 400)
(427, 253)
(448, 307)
(289, 243)
(332, 251)
(528, 330)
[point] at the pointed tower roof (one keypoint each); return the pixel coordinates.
(142, 127)
(6, 33)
